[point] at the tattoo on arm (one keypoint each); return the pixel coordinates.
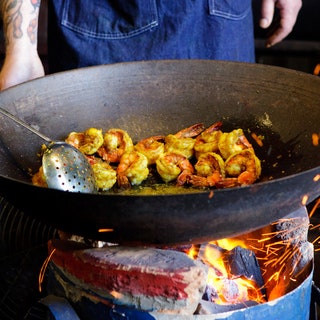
(35, 4)
(32, 30)
(13, 18)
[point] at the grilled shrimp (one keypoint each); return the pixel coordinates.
(132, 169)
(88, 142)
(75, 139)
(104, 174)
(207, 141)
(115, 143)
(232, 142)
(171, 166)
(244, 166)
(209, 170)
(39, 179)
(151, 147)
(93, 140)
(183, 142)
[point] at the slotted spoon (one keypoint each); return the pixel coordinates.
(64, 166)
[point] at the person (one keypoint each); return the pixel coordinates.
(84, 33)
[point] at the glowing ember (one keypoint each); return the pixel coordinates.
(223, 286)
(304, 200)
(316, 178)
(315, 139)
(106, 230)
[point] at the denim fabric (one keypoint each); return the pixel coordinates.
(90, 32)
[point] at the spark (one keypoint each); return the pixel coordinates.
(315, 207)
(304, 200)
(43, 269)
(276, 248)
(106, 230)
(315, 139)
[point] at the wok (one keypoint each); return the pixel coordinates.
(161, 97)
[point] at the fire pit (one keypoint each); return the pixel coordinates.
(264, 274)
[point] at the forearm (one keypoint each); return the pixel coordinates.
(20, 24)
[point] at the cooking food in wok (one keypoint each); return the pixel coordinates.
(194, 156)
(158, 98)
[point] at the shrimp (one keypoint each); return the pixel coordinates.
(210, 170)
(171, 166)
(245, 166)
(88, 142)
(183, 142)
(151, 147)
(232, 142)
(93, 140)
(132, 169)
(39, 179)
(75, 139)
(104, 174)
(116, 143)
(208, 140)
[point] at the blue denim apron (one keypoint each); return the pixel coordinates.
(91, 32)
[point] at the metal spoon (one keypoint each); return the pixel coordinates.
(64, 166)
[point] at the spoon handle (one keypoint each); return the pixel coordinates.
(24, 124)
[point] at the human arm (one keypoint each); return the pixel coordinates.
(288, 12)
(20, 27)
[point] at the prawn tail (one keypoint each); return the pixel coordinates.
(227, 183)
(246, 178)
(183, 178)
(198, 181)
(123, 182)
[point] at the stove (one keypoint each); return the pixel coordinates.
(117, 282)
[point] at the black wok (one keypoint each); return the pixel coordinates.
(159, 97)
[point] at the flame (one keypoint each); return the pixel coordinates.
(223, 287)
(230, 244)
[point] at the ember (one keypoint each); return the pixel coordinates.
(234, 275)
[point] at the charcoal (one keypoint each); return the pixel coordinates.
(241, 262)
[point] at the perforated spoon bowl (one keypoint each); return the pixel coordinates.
(64, 166)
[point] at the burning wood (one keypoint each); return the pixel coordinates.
(234, 275)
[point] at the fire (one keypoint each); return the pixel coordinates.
(223, 287)
(229, 244)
